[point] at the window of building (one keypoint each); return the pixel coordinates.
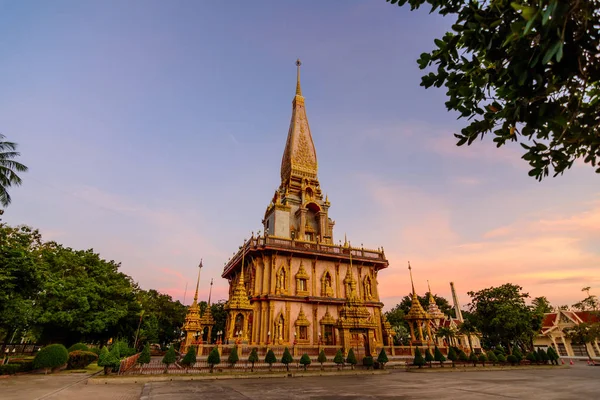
(303, 331)
(302, 285)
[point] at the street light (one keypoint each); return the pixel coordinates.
(269, 337)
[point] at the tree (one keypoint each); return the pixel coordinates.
(473, 358)
(233, 356)
(287, 359)
(542, 356)
(322, 358)
(145, 357)
(169, 358)
(482, 359)
(8, 169)
(438, 356)
(220, 316)
(541, 305)
(213, 359)
(446, 332)
(584, 333)
(351, 358)
(553, 355)
(452, 356)
(524, 71)
(590, 303)
(501, 358)
(305, 360)
(501, 315)
(428, 357)
(492, 357)
(270, 359)
(418, 360)
(189, 359)
(52, 356)
(338, 359)
(109, 360)
(406, 303)
(531, 357)
(253, 358)
(382, 358)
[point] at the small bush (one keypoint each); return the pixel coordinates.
(145, 356)
(367, 362)
(542, 356)
(109, 360)
(80, 359)
(473, 358)
(452, 356)
(253, 358)
(382, 358)
(438, 356)
(10, 369)
(428, 357)
(462, 356)
(531, 357)
(518, 355)
(214, 358)
(351, 359)
(492, 357)
(95, 350)
(233, 356)
(419, 360)
(501, 358)
(52, 356)
(287, 358)
(190, 358)
(169, 358)
(270, 358)
(322, 358)
(339, 358)
(512, 359)
(78, 347)
(482, 359)
(305, 360)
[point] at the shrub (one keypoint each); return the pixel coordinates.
(233, 356)
(322, 358)
(512, 359)
(473, 358)
(190, 358)
(542, 356)
(351, 359)
(305, 360)
(253, 358)
(169, 358)
(95, 350)
(80, 359)
(270, 358)
(452, 356)
(213, 358)
(428, 357)
(339, 359)
(145, 356)
(438, 356)
(500, 350)
(518, 355)
(51, 356)
(382, 358)
(109, 360)
(368, 362)
(492, 357)
(10, 369)
(501, 358)
(462, 356)
(287, 358)
(531, 357)
(419, 360)
(124, 349)
(482, 359)
(78, 346)
(553, 355)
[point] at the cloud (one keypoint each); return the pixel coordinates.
(549, 256)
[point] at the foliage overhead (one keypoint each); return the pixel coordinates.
(523, 70)
(8, 169)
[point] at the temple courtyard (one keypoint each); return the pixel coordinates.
(578, 381)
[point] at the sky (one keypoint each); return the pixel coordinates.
(154, 132)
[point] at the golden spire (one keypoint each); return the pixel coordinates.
(431, 299)
(298, 89)
(299, 157)
(198, 282)
(411, 280)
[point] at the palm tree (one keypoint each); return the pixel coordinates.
(446, 332)
(8, 166)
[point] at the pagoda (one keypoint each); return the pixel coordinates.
(293, 283)
(417, 317)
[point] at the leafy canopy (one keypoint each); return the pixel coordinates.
(522, 70)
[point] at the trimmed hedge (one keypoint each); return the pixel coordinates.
(78, 347)
(52, 356)
(80, 359)
(10, 369)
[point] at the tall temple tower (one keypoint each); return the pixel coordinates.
(293, 285)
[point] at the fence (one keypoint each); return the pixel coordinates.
(12, 349)
(127, 363)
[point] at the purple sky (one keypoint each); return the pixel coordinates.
(154, 132)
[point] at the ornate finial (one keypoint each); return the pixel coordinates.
(411, 280)
(210, 291)
(431, 299)
(198, 282)
(298, 89)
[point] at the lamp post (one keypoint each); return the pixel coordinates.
(219, 333)
(294, 338)
(319, 338)
(269, 337)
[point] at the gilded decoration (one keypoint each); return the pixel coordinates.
(327, 318)
(327, 284)
(304, 157)
(281, 284)
(302, 320)
(368, 288)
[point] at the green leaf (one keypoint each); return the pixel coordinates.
(552, 51)
(549, 11)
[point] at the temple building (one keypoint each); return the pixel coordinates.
(555, 333)
(293, 285)
(197, 327)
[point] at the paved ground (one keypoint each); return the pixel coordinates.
(580, 381)
(573, 383)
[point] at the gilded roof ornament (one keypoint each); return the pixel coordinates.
(416, 311)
